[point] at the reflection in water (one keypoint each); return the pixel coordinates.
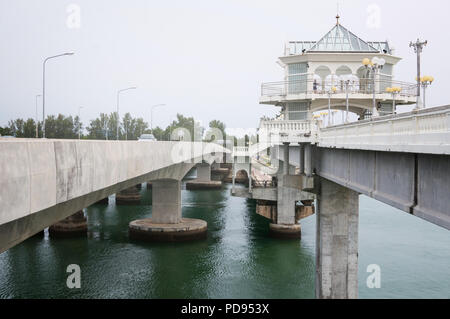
(238, 259)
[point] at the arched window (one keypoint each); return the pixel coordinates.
(322, 72)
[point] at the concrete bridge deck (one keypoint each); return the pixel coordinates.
(45, 181)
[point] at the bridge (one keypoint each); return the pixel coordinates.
(45, 181)
(402, 159)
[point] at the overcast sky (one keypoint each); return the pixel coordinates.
(205, 59)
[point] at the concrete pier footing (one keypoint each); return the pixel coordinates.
(197, 185)
(186, 230)
(166, 223)
(203, 180)
(129, 196)
(337, 242)
(285, 231)
(72, 226)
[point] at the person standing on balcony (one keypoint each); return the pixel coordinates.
(315, 86)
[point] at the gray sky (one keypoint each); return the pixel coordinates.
(205, 59)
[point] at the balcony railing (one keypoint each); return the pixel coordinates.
(360, 86)
(303, 127)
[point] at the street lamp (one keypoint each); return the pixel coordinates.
(347, 83)
(43, 87)
(37, 123)
(330, 93)
(426, 81)
(79, 124)
(418, 48)
(151, 119)
(374, 65)
(118, 102)
(394, 91)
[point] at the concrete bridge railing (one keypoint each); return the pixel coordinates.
(424, 131)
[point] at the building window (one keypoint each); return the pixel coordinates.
(297, 111)
(297, 76)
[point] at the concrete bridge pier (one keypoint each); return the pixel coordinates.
(203, 180)
(286, 226)
(167, 223)
(129, 196)
(337, 242)
(72, 226)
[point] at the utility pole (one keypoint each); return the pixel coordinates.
(418, 48)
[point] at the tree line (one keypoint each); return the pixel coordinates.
(104, 127)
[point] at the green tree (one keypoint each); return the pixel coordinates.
(112, 126)
(217, 125)
(5, 131)
(188, 123)
(97, 129)
(60, 127)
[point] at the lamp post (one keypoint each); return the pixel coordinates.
(330, 93)
(426, 81)
(151, 119)
(79, 124)
(37, 122)
(374, 65)
(118, 102)
(43, 87)
(347, 83)
(418, 48)
(394, 91)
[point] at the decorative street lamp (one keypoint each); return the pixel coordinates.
(118, 102)
(330, 93)
(394, 91)
(374, 65)
(418, 48)
(43, 87)
(426, 81)
(151, 120)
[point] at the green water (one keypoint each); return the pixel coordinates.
(238, 260)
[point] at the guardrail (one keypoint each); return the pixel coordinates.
(360, 86)
(287, 126)
(424, 131)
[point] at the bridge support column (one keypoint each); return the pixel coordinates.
(308, 160)
(203, 180)
(72, 226)
(337, 242)
(286, 226)
(302, 158)
(286, 159)
(128, 196)
(167, 223)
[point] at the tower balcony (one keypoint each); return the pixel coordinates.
(359, 91)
